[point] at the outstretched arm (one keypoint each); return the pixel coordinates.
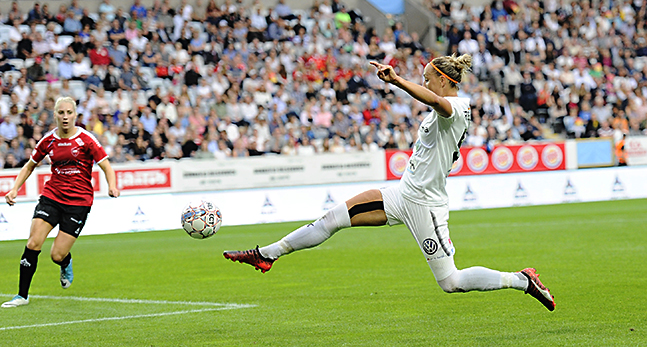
(24, 173)
(110, 177)
(420, 93)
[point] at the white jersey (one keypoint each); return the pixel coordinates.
(434, 153)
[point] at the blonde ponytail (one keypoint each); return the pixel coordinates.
(455, 67)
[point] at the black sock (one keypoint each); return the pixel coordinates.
(28, 264)
(65, 262)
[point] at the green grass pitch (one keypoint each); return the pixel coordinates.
(363, 287)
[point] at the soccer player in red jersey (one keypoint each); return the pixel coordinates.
(67, 197)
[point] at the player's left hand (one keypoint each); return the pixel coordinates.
(385, 72)
(10, 197)
(113, 192)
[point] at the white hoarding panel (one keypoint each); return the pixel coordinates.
(251, 206)
(636, 150)
(196, 175)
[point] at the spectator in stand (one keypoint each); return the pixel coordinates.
(8, 129)
(99, 55)
(149, 120)
(110, 81)
(81, 68)
(56, 47)
(6, 53)
(40, 46)
(342, 18)
(197, 43)
(22, 90)
(117, 34)
(35, 15)
(71, 25)
(60, 16)
(15, 35)
(130, 32)
(10, 161)
(47, 17)
(76, 8)
(24, 48)
(107, 9)
(86, 20)
(15, 13)
(36, 72)
(65, 70)
(258, 25)
(117, 55)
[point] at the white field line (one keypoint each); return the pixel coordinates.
(116, 318)
(134, 301)
(215, 306)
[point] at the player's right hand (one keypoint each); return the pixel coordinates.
(11, 197)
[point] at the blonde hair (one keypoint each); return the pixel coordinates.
(454, 67)
(63, 99)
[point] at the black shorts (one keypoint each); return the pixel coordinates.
(71, 218)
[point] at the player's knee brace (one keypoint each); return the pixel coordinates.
(335, 219)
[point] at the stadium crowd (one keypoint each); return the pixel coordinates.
(229, 80)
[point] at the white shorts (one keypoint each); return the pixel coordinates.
(428, 224)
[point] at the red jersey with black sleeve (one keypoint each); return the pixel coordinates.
(72, 160)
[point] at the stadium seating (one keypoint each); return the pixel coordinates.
(65, 40)
(29, 62)
(17, 63)
(15, 75)
(77, 88)
(58, 28)
(40, 28)
(372, 106)
(4, 33)
(41, 89)
(147, 72)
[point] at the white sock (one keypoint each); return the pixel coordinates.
(310, 235)
(482, 279)
(514, 280)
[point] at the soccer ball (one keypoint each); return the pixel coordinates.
(201, 219)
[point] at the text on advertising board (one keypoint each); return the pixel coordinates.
(143, 178)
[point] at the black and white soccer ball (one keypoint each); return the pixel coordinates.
(201, 219)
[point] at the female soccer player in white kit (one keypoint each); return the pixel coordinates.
(420, 200)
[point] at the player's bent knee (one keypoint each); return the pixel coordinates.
(57, 258)
(447, 286)
(451, 284)
(34, 245)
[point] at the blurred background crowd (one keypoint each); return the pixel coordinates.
(233, 80)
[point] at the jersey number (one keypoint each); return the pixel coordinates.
(460, 142)
(468, 116)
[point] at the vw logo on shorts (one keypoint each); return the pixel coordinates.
(429, 246)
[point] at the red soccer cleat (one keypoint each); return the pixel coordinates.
(252, 257)
(537, 289)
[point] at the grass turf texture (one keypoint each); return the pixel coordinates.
(363, 287)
